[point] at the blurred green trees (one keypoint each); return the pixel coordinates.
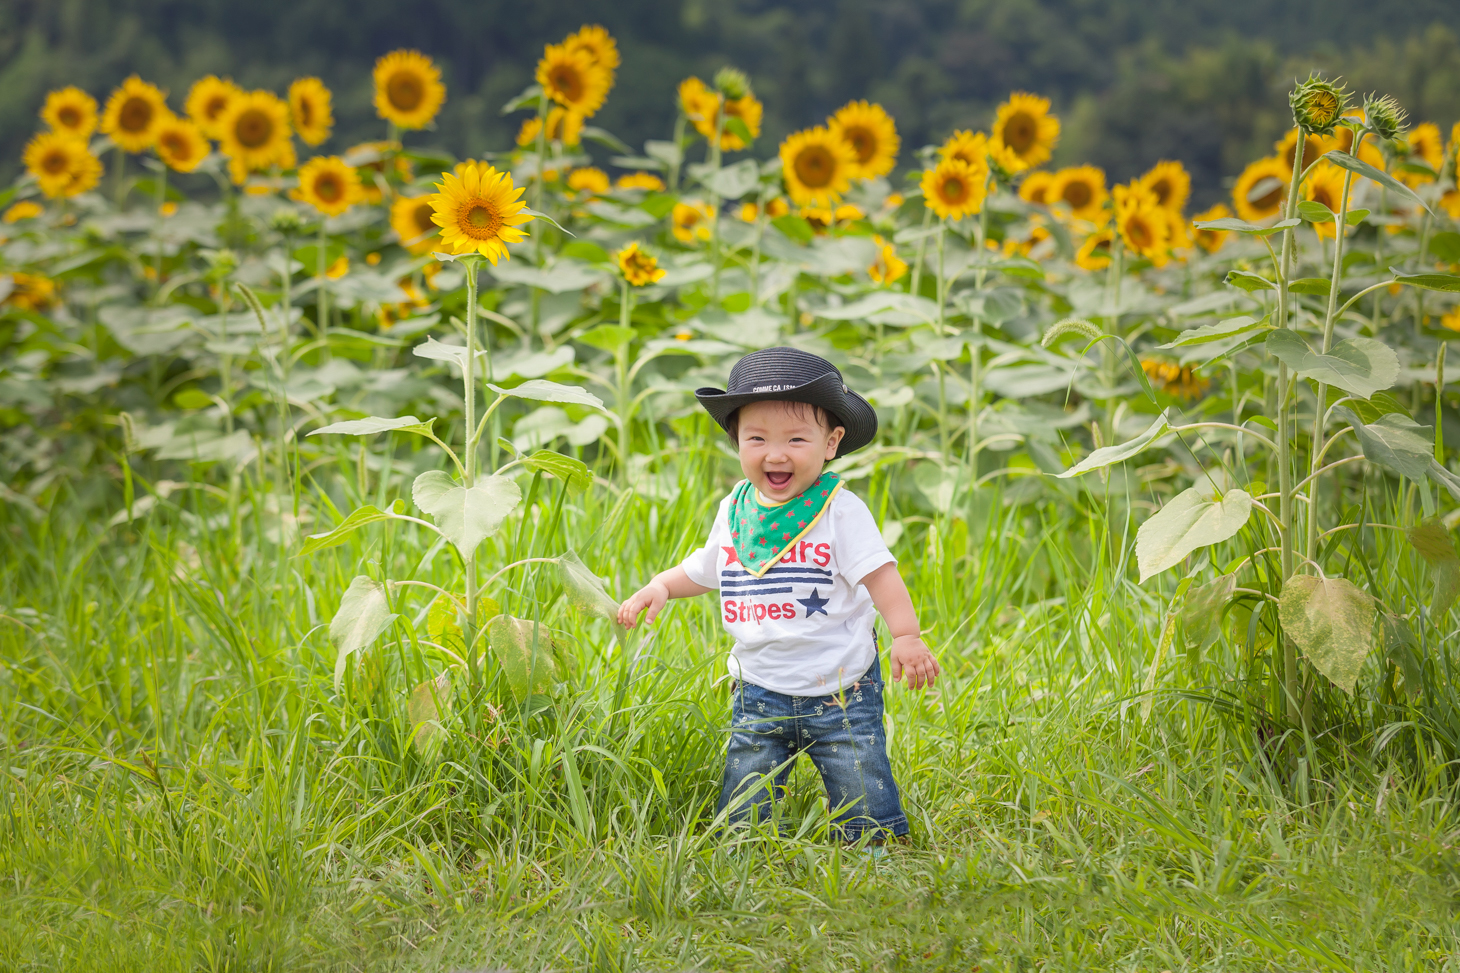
(1136, 80)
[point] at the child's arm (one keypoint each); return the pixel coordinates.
(909, 654)
(674, 583)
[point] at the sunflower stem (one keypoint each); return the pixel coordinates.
(621, 364)
(674, 167)
(917, 276)
(938, 365)
(469, 444)
(118, 177)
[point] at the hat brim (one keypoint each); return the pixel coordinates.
(856, 415)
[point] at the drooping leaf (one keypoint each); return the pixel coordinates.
(1332, 621)
(1310, 285)
(1315, 212)
(1433, 282)
(1249, 282)
(1242, 226)
(1393, 441)
(1201, 613)
(1361, 366)
(587, 592)
(1402, 648)
(429, 704)
(358, 518)
(437, 351)
(525, 652)
(1228, 328)
(1195, 517)
(1343, 160)
(545, 391)
(361, 618)
(466, 517)
(374, 424)
(1110, 455)
(571, 471)
(1437, 547)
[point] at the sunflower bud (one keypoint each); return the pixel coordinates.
(732, 83)
(1383, 117)
(221, 263)
(1317, 105)
(286, 220)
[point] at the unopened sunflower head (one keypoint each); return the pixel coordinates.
(1317, 104)
(1383, 117)
(732, 82)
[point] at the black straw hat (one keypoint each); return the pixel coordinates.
(792, 375)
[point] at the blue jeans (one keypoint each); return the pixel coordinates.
(842, 734)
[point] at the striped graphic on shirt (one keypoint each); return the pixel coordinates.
(774, 582)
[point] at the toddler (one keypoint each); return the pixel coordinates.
(802, 571)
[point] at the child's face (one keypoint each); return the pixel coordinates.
(783, 449)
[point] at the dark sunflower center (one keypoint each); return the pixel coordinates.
(1266, 194)
(1310, 153)
(481, 221)
(864, 143)
(215, 106)
(1020, 133)
(70, 117)
(1139, 232)
(254, 128)
(1325, 196)
(1162, 189)
(405, 91)
(422, 215)
(1077, 194)
(329, 188)
(56, 162)
(954, 189)
(306, 112)
(175, 145)
(136, 115)
(568, 80)
(815, 166)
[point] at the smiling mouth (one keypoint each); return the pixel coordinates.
(778, 479)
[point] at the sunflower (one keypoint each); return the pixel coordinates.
(408, 89)
(701, 106)
(562, 125)
(309, 108)
(822, 218)
(1450, 203)
(1325, 185)
(31, 292)
(599, 45)
(1451, 321)
(589, 179)
(1212, 240)
(1175, 380)
(180, 144)
(570, 78)
(887, 267)
(1425, 145)
(690, 220)
(479, 212)
(1037, 235)
(1082, 189)
(1024, 124)
(871, 133)
(62, 166)
(1146, 230)
(1259, 192)
(1171, 184)
(329, 184)
(24, 210)
(70, 111)
(1094, 253)
(639, 268)
(1285, 147)
(1036, 186)
(1133, 195)
(410, 218)
(640, 180)
(954, 189)
(255, 134)
(133, 113)
(971, 147)
(208, 99)
(816, 165)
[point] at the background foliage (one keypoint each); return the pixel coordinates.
(1135, 80)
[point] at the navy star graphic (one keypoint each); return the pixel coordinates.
(815, 603)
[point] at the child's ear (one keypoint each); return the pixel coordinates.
(833, 441)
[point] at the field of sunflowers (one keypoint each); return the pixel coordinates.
(323, 474)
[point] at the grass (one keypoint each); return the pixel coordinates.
(183, 789)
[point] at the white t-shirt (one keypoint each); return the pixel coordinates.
(805, 627)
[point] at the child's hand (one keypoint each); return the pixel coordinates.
(652, 596)
(911, 656)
